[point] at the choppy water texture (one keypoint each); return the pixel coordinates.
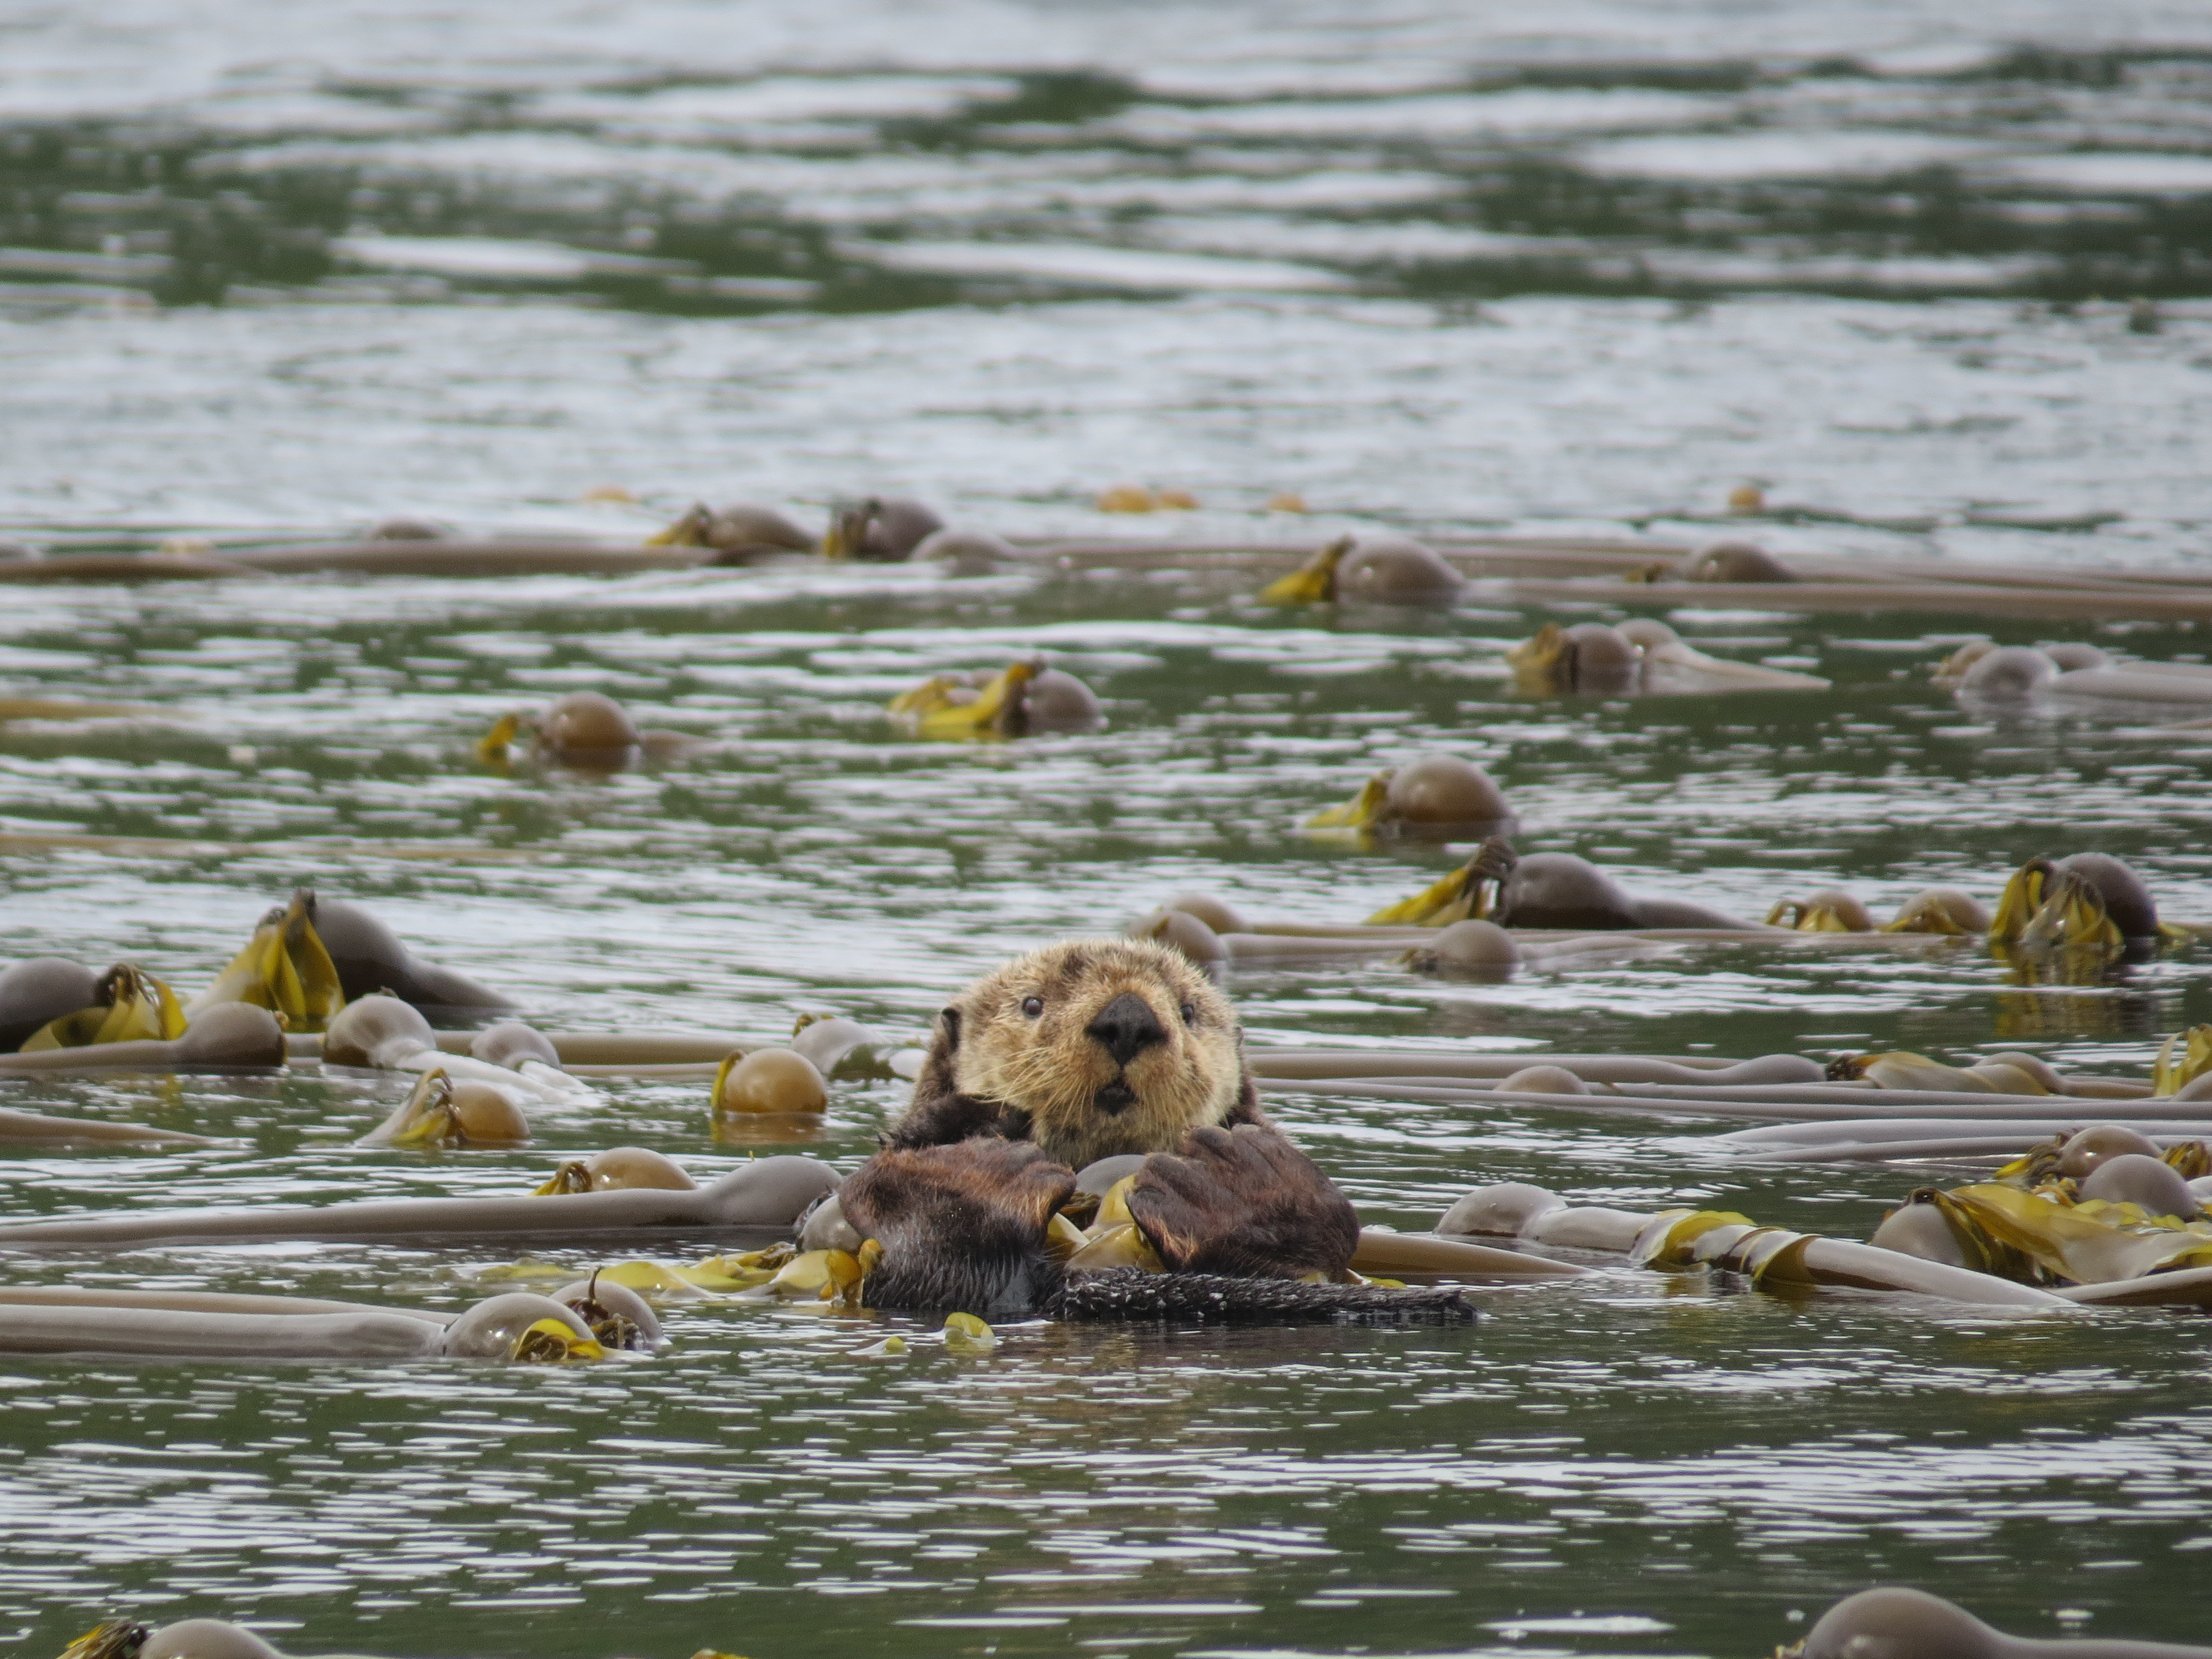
(266, 269)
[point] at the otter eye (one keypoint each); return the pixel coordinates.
(1189, 1014)
(1032, 1006)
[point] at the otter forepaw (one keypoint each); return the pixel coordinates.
(1242, 1202)
(961, 1226)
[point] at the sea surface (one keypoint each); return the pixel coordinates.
(1938, 280)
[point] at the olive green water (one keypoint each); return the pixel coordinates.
(285, 271)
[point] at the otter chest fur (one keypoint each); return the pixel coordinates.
(1088, 1048)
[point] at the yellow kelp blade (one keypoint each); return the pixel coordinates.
(1804, 918)
(139, 1008)
(667, 1280)
(2022, 898)
(848, 530)
(934, 693)
(113, 1638)
(690, 531)
(992, 706)
(1538, 661)
(1358, 812)
(1453, 899)
(832, 1276)
(1926, 913)
(1667, 1240)
(571, 1177)
(2171, 1072)
(2073, 916)
(1122, 1246)
(1313, 582)
(552, 1342)
(427, 1119)
(492, 747)
(2038, 1164)
(1114, 1208)
(965, 1333)
(2092, 1244)
(2191, 1159)
(283, 968)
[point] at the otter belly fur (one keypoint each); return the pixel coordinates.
(1087, 1050)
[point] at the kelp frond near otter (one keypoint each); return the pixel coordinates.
(2039, 1238)
(1938, 910)
(441, 1114)
(2171, 1072)
(1358, 814)
(2046, 906)
(112, 1639)
(949, 706)
(283, 968)
(1464, 894)
(834, 1277)
(1541, 661)
(1808, 917)
(1313, 582)
(552, 1342)
(492, 748)
(133, 1006)
(690, 530)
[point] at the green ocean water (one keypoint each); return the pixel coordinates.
(1453, 271)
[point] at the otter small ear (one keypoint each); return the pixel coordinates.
(948, 1021)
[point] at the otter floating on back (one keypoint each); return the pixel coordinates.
(1096, 1050)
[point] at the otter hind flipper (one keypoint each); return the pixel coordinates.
(962, 1227)
(1217, 1299)
(1245, 1203)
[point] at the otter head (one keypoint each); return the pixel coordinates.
(1106, 1046)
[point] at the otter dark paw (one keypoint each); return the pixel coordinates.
(1242, 1202)
(961, 1226)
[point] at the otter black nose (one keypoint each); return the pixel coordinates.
(1126, 1027)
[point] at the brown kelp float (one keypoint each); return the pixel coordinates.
(443, 1113)
(879, 529)
(49, 1002)
(1683, 1239)
(1552, 890)
(618, 1168)
(516, 1328)
(48, 1133)
(1643, 657)
(1369, 570)
(308, 958)
(1436, 797)
(1982, 671)
(768, 1193)
(1892, 1622)
(2097, 1216)
(2090, 902)
(1024, 698)
(221, 1038)
(768, 1081)
(584, 730)
(738, 533)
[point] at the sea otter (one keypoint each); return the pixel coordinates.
(1097, 1049)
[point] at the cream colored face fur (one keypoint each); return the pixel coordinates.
(1046, 1063)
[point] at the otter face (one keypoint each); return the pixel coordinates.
(1108, 1046)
